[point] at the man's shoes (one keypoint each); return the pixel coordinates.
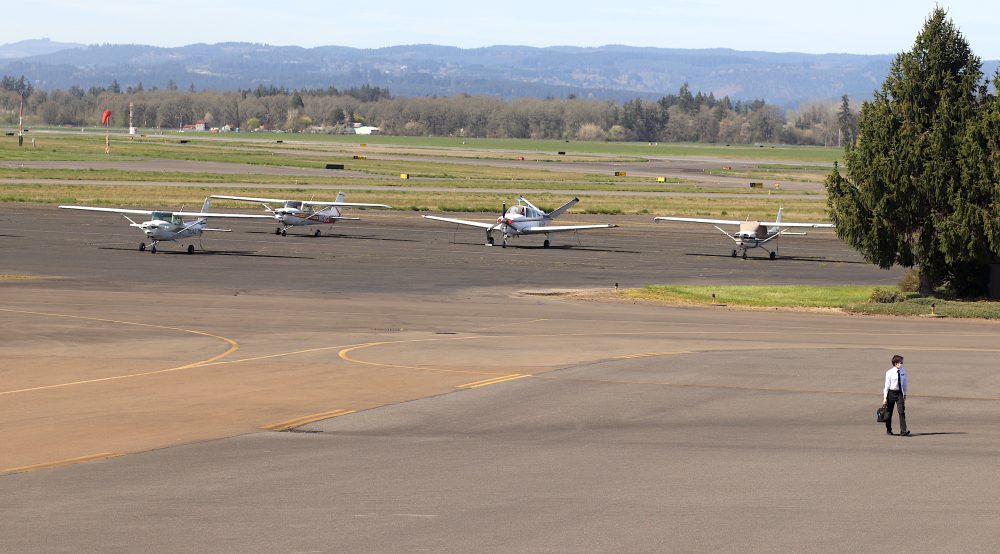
(888, 432)
(904, 434)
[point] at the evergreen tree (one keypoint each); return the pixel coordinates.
(914, 193)
(846, 121)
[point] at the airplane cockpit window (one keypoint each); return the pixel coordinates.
(177, 220)
(519, 210)
(293, 205)
(161, 216)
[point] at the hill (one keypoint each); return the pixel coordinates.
(606, 72)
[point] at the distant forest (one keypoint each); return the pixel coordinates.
(681, 117)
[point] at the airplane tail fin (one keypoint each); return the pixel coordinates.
(340, 196)
(207, 205)
(780, 211)
(558, 211)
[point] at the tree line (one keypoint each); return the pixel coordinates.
(680, 117)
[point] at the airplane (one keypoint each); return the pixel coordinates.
(524, 219)
(294, 213)
(164, 225)
(752, 234)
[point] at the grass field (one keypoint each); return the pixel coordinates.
(434, 163)
(782, 153)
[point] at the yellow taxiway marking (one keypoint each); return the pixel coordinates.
(300, 421)
(493, 381)
(649, 355)
(233, 347)
(343, 354)
(71, 461)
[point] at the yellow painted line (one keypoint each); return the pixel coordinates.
(343, 354)
(300, 421)
(71, 461)
(649, 355)
(233, 347)
(493, 381)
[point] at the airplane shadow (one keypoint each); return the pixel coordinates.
(555, 247)
(782, 257)
(245, 253)
(337, 236)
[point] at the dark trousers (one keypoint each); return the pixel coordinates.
(891, 400)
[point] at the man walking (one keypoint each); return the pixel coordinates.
(894, 393)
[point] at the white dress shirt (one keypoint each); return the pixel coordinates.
(895, 380)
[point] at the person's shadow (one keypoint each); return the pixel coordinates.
(939, 433)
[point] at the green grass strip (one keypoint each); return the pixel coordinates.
(762, 296)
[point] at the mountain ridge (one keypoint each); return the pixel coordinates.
(611, 72)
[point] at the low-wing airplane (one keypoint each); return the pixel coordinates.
(524, 219)
(752, 234)
(164, 225)
(293, 213)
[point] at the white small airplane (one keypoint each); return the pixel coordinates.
(752, 234)
(164, 225)
(524, 219)
(294, 213)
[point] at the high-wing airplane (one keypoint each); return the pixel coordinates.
(524, 219)
(164, 225)
(752, 234)
(293, 213)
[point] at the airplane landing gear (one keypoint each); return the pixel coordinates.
(545, 244)
(489, 239)
(773, 255)
(277, 231)
(744, 254)
(734, 253)
(284, 233)
(190, 249)
(152, 249)
(142, 247)
(317, 233)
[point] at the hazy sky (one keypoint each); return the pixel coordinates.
(849, 26)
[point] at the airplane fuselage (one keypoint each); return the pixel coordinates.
(161, 230)
(290, 217)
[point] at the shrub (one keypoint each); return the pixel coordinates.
(886, 296)
(910, 281)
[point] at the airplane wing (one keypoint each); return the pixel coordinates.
(479, 224)
(345, 204)
(250, 199)
(150, 212)
(562, 228)
(112, 210)
(222, 215)
(700, 220)
(788, 224)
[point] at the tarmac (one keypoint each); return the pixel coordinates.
(396, 385)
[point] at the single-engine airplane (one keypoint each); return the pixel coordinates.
(752, 234)
(294, 213)
(164, 225)
(524, 219)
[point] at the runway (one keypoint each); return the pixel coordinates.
(440, 408)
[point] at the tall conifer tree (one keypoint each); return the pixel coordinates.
(915, 192)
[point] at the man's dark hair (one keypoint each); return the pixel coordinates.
(897, 359)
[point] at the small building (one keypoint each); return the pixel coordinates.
(196, 126)
(366, 130)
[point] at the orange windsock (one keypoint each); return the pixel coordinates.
(105, 117)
